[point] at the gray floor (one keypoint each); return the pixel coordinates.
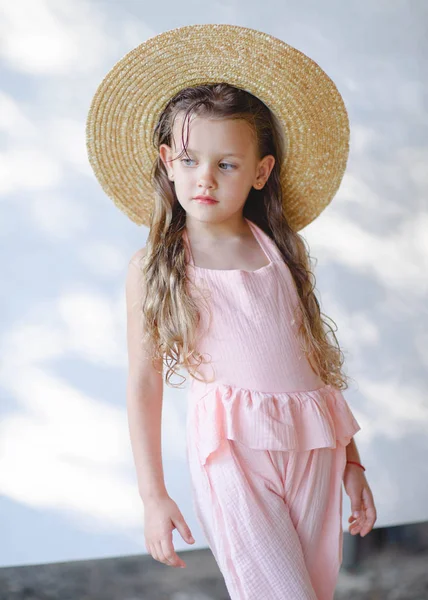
(396, 571)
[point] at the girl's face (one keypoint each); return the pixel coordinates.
(221, 162)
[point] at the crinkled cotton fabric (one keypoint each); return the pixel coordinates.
(266, 438)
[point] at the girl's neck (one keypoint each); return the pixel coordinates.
(229, 230)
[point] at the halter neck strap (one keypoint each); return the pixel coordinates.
(265, 242)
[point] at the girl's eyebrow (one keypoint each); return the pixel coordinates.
(222, 154)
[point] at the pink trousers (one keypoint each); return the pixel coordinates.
(272, 519)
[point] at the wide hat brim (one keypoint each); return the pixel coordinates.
(131, 97)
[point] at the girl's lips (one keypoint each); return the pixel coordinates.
(206, 200)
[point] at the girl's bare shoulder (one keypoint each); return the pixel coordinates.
(135, 284)
(137, 256)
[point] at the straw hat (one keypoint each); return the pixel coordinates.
(130, 98)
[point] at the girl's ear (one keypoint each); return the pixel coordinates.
(265, 167)
(165, 155)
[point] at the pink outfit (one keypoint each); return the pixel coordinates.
(266, 440)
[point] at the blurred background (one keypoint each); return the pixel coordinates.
(71, 520)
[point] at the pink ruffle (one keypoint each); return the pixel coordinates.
(273, 421)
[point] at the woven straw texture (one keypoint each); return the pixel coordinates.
(131, 97)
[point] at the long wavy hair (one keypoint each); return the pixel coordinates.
(171, 315)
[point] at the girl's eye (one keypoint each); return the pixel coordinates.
(184, 160)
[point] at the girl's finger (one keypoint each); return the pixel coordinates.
(357, 522)
(354, 524)
(170, 554)
(153, 551)
(369, 504)
(370, 511)
(363, 525)
(368, 525)
(353, 519)
(160, 553)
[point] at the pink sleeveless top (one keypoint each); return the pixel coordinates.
(264, 392)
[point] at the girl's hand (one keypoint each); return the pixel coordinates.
(161, 517)
(362, 503)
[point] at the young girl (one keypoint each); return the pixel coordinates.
(250, 144)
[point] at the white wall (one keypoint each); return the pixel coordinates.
(67, 483)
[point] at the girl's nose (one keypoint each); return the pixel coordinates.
(206, 177)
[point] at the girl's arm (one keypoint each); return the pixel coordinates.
(144, 394)
(144, 403)
(352, 451)
(363, 508)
